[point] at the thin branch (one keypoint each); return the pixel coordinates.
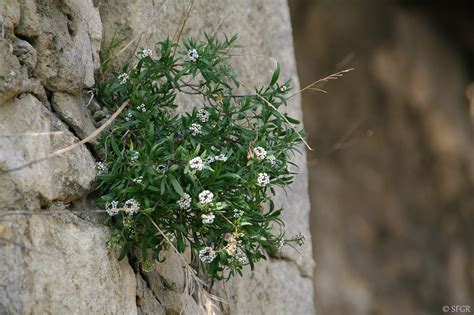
(223, 18)
(73, 146)
(333, 76)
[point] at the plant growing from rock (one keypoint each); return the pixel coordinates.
(202, 181)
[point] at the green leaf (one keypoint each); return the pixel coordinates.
(115, 148)
(275, 75)
(176, 185)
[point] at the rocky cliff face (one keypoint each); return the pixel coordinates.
(59, 263)
(393, 173)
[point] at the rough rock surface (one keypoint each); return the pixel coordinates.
(51, 264)
(62, 267)
(59, 263)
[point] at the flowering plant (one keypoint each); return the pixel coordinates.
(202, 180)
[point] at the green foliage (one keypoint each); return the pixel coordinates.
(205, 178)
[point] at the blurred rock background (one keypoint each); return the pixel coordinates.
(392, 173)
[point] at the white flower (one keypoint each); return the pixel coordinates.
(141, 108)
(185, 201)
(123, 78)
(138, 180)
(129, 117)
(207, 254)
(131, 206)
(101, 168)
(162, 168)
(195, 129)
(263, 179)
(283, 88)
(233, 138)
(146, 53)
(203, 115)
(260, 153)
(193, 55)
(208, 218)
(112, 208)
(171, 237)
(238, 213)
(196, 163)
(206, 197)
(272, 160)
(241, 258)
(135, 155)
(221, 157)
(209, 159)
(281, 243)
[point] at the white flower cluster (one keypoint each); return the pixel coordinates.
(131, 206)
(263, 179)
(135, 155)
(238, 213)
(123, 78)
(162, 168)
(141, 108)
(272, 160)
(129, 117)
(185, 201)
(195, 129)
(146, 53)
(207, 254)
(206, 197)
(138, 180)
(210, 159)
(196, 163)
(221, 157)
(101, 168)
(260, 152)
(208, 218)
(241, 257)
(171, 237)
(281, 243)
(193, 55)
(112, 208)
(203, 115)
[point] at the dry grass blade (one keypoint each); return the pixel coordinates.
(333, 76)
(254, 55)
(89, 138)
(179, 31)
